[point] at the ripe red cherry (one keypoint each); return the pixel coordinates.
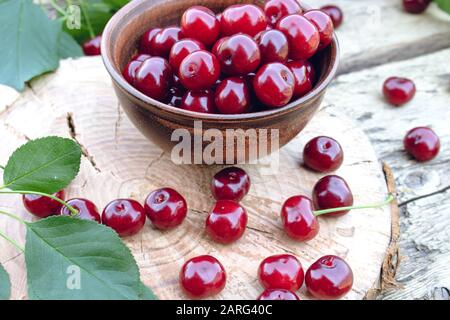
(304, 75)
(278, 294)
(41, 206)
(231, 183)
(243, 18)
(226, 222)
(200, 70)
(163, 41)
(200, 23)
(181, 50)
(87, 210)
(422, 143)
(214, 49)
(202, 276)
(129, 72)
(277, 9)
(324, 24)
(335, 13)
(125, 216)
(166, 208)
(92, 47)
(238, 55)
(233, 96)
(199, 101)
(154, 78)
(302, 35)
(332, 192)
(273, 46)
(274, 84)
(145, 43)
(398, 91)
(298, 218)
(281, 271)
(323, 154)
(329, 278)
(416, 6)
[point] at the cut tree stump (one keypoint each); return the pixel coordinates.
(78, 101)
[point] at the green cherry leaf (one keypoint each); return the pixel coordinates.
(444, 5)
(116, 4)
(68, 47)
(69, 258)
(43, 165)
(5, 284)
(146, 293)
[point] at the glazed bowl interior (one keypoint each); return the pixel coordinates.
(122, 34)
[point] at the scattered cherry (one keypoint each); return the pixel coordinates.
(200, 23)
(298, 218)
(238, 55)
(92, 47)
(324, 24)
(166, 208)
(181, 50)
(273, 45)
(202, 277)
(282, 271)
(422, 143)
(199, 70)
(41, 206)
(154, 78)
(233, 96)
(398, 91)
(274, 84)
(329, 278)
(278, 294)
(304, 75)
(129, 72)
(416, 6)
(226, 222)
(87, 210)
(145, 44)
(302, 34)
(332, 192)
(199, 101)
(335, 13)
(125, 216)
(277, 9)
(243, 18)
(323, 154)
(231, 183)
(163, 41)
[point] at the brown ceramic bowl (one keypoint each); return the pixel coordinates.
(157, 121)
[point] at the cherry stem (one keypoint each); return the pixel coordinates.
(88, 21)
(57, 7)
(7, 238)
(2, 167)
(68, 206)
(388, 200)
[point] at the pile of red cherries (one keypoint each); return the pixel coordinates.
(223, 63)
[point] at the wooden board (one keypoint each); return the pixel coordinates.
(78, 101)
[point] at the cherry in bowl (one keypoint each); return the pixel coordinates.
(243, 18)
(41, 206)
(231, 183)
(332, 192)
(422, 143)
(304, 75)
(200, 23)
(154, 78)
(275, 10)
(125, 216)
(199, 70)
(87, 210)
(198, 101)
(323, 154)
(181, 50)
(233, 96)
(324, 25)
(273, 45)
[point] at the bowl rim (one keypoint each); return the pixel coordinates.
(118, 78)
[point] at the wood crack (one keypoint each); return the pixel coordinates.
(431, 194)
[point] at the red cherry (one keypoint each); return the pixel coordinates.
(199, 101)
(233, 96)
(298, 218)
(202, 277)
(125, 216)
(166, 208)
(281, 271)
(273, 46)
(274, 84)
(335, 13)
(304, 75)
(200, 23)
(277, 9)
(216, 45)
(181, 50)
(302, 35)
(231, 183)
(87, 210)
(332, 192)
(243, 18)
(163, 41)
(323, 154)
(398, 91)
(200, 70)
(416, 6)
(92, 47)
(41, 206)
(145, 44)
(324, 25)
(422, 143)
(226, 222)
(329, 278)
(129, 72)
(238, 55)
(278, 294)
(154, 78)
